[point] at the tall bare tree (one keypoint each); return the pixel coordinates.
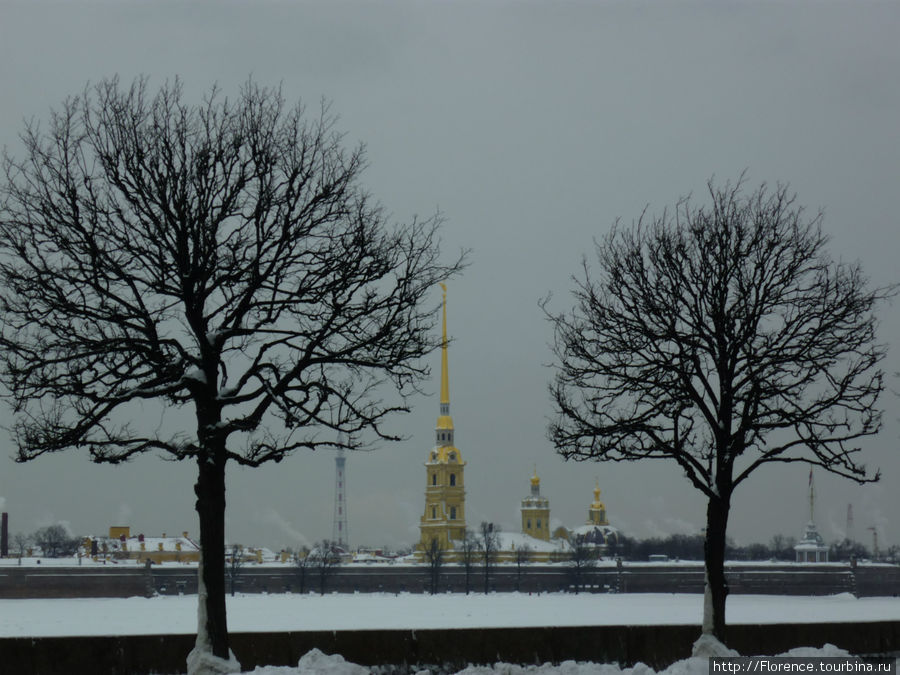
(434, 559)
(582, 561)
(326, 558)
(303, 563)
(234, 565)
(489, 543)
(723, 338)
(219, 258)
(21, 542)
(468, 554)
(522, 554)
(55, 541)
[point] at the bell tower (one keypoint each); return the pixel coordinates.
(444, 519)
(535, 511)
(597, 512)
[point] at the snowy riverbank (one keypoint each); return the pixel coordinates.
(286, 612)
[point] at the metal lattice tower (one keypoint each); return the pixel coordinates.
(339, 532)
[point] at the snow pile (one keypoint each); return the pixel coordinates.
(564, 668)
(707, 646)
(203, 662)
(317, 663)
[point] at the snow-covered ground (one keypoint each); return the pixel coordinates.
(284, 612)
(276, 612)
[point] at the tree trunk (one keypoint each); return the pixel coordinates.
(212, 628)
(714, 553)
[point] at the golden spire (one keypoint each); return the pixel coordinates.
(535, 479)
(445, 422)
(597, 502)
(445, 375)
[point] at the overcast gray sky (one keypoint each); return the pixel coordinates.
(532, 126)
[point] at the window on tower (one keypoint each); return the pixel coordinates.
(434, 479)
(433, 512)
(452, 479)
(538, 523)
(452, 456)
(452, 513)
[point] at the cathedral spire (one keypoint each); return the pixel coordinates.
(445, 375)
(444, 429)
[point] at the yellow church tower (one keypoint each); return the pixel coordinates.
(597, 512)
(444, 519)
(536, 512)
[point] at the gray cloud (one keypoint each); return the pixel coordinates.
(533, 127)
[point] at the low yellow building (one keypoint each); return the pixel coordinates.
(121, 545)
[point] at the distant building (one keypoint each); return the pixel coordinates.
(444, 519)
(597, 512)
(535, 511)
(597, 532)
(812, 548)
(121, 545)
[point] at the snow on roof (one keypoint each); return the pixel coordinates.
(806, 545)
(150, 543)
(515, 540)
(588, 529)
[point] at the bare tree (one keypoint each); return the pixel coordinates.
(20, 543)
(434, 558)
(468, 553)
(326, 558)
(783, 547)
(220, 259)
(723, 338)
(489, 543)
(522, 555)
(582, 560)
(234, 565)
(303, 562)
(55, 541)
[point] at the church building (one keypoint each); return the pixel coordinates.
(443, 523)
(597, 532)
(597, 512)
(444, 519)
(536, 512)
